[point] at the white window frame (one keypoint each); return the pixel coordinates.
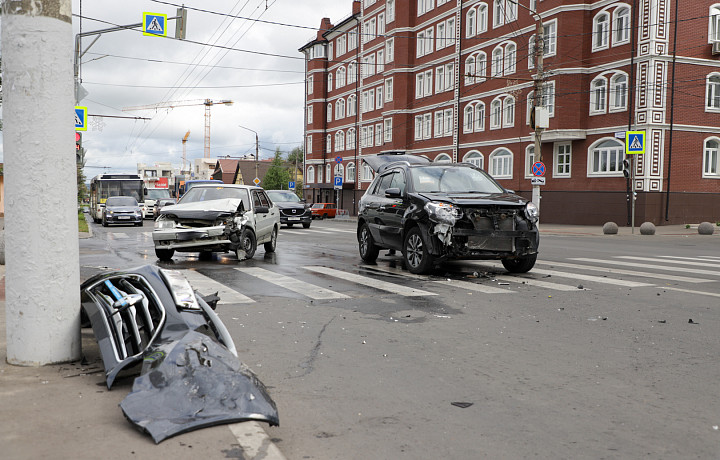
(389, 11)
(601, 31)
(350, 172)
(618, 94)
(443, 158)
(562, 159)
(711, 159)
(479, 117)
(712, 92)
(380, 61)
(621, 25)
(329, 112)
(319, 174)
(308, 143)
(474, 157)
(469, 118)
(339, 141)
(328, 172)
(418, 134)
(496, 113)
(310, 114)
(427, 125)
(350, 139)
(498, 60)
(328, 143)
(340, 77)
(508, 108)
(340, 109)
(501, 163)
(367, 173)
(310, 81)
(379, 134)
(610, 148)
(471, 23)
(389, 50)
(379, 97)
(438, 132)
(498, 13)
(310, 174)
(598, 95)
(388, 89)
(510, 58)
(529, 161)
(387, 130)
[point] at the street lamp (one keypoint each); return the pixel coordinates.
(257, 148)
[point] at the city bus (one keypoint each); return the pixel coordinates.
(104, 186)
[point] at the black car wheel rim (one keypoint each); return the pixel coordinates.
(364, 241)
(414, 250)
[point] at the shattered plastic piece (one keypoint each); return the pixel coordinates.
(462, 405)
(503, 284)
(662, 321)
(690, 321)
(580, 286)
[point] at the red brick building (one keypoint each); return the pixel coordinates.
(455, 80)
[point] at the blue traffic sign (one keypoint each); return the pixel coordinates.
(338, 160)
(634, 142)
(338, 181)
(538, 169)
(80, 118)
(155, 24)
(291, 185)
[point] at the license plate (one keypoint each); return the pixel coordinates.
(293, 218)
(124, 217)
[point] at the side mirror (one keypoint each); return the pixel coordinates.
(261, 209)
(507, 190)
(393, 193)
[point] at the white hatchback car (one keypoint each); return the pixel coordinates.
(218, 218)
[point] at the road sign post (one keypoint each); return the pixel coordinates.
(634, 145)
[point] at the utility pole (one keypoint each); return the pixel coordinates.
(257, 151)
(42, 264)
(538, 99)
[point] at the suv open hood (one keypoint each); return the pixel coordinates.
(381, 161)
(476, 199)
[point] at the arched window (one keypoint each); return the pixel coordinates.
(352, 105)
(497, 61)
(496, 113)
(443, 158)
(482, 17)
(339, 141)
(468, 118)
(352, 72)
(340, 77)
(328, 143)
(601, 31)
(367, 173)
(618, 92)
(328, 172)
(529, 160)
(474, 157)
(714, 27)
(598, 95)
(509, 112)
(339, 170)
(531, 52)
(330, 81)
(479, 117)
(606, 157)
(498, 13)
(471, 23)
(470, 70)
(621, 25)
(329, 112)
(310, 174)
(510, 58)
(712, 92)
(501, 164)
(350, 138)
(480, 67)
(350, 172)
(711, 159)
(340, 109)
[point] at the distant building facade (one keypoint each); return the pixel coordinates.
(455, 80)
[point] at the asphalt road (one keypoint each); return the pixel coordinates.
(607, 349)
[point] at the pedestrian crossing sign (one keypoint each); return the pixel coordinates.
(80, 118)
(634, 142)
(155, 24)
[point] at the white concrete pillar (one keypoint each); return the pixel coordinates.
(41, 232)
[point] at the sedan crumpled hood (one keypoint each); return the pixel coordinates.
(477, 199)
(202, 210)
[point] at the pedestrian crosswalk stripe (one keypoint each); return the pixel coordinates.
(535, 282)
(324, 232)
(119, 236)
(301, 287)
(690, 291)
(473, 286)
(679, 262)
(366, 281)
(620, 271)
(207, 286)
(701, 258)
(654, 267)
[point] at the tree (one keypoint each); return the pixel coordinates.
(296, 158)
(278, 176)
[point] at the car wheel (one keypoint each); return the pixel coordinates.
(164, 254)
(247, 247)
(140, 224)
(307, 225)
(368, 251)
(324, 216)
(272, 244)
(290, 225)
(521, 264)
(104, 222)
(417, 257)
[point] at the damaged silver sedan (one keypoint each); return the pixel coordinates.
(190, 375)
(433, 212)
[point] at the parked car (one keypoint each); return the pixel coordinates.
(323, 210)
(439, 211)
(122, 210)
(159, 204)
(152, 195)
(218, 218)
(292, 209)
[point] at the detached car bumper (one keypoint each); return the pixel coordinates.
(189, 238)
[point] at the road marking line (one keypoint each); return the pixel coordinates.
(713, 294)
(301, 287)
(366, 281)
(255, 442)
(701, 258)
(536, 282)
(311, 230)
(208, 285)
(679, 262)
(656, 267)
(620, 271)
(119, 236)
(470, 286)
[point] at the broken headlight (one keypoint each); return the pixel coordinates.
(443, 213)
(162, 224)
(531, 211)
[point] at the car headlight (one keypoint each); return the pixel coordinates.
(108, 211)
(444, 213)
(531, 211)
(162, 224)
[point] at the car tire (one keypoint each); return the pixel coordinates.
(366, 245)
(415, 252)
(307, 225)
(140, 224)
(521, 264)
(164, 254)
(272, 244)
(324, 216)
(289, 225)
(248, 245)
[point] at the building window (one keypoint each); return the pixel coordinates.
(352, 72)
(389, 11)
(310, 85)
(340, 109)
(387, 129)
(479, 116)
(498, 13)
(423, 6)
(482, 18)
(711, 167)
(379, 97)
(369, 142)
(381, 24)
(350, 139)
(621, 25)
(380, 66)
(319, 175)
(712, 90)
(470, 72)
(328, 143)
(561, 159)
(508, 112)
(388, 90)
(329, 112)
(350, 172)
(601, 31)
(529, 160)
(469, 118)
(423, 84)
(309, 114)
(352, 40)
(598, 96)
(340, 77)
(618, 92)
(339, 141)
(442, 158)
(497, 61)
(501, 164)
(496, 114)
(547, 101)
(330, 82)
(328, 172)
(474, 158)
(606, 158)
(510, 58)
(367, 173)
(308, 144)
(714, 28)
(352, 105)
(310, 174)
(471, 23)
(379, 134)
(341, 45)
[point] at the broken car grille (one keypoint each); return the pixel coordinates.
(492, 220)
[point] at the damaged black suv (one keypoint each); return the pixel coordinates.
(433, 212)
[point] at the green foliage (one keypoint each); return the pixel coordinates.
(82, 223)
(278, 175)
(82, 191)
(296, 156)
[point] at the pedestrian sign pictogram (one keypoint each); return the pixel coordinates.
(80, 118)
(155, 24)
(538, 169)
(634, 142)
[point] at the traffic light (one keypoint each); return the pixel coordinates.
(626, 167)
(78, 142)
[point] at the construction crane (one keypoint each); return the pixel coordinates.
(173, 104)
(184, 141)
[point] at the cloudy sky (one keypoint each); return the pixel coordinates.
(126, 69)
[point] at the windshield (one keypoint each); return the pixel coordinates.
(452, 179)
(157, 193)
(204, 193)
(283, 196)
(121, 201)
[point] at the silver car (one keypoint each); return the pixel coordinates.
(218, 218)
